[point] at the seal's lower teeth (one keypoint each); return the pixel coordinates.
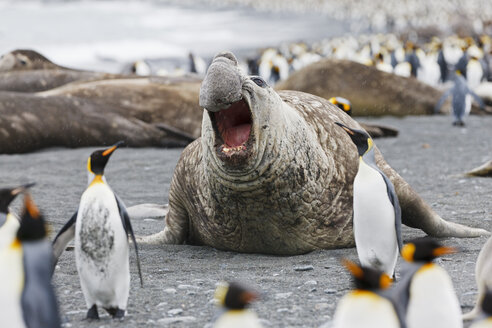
(227, 150)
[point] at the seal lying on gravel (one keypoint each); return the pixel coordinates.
(273, 174)
(25, 70)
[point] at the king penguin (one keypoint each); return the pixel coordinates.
(27, 298)
(461, 99)
(234, 298)
(483, 277)
(101, 227)
(367, 305)
(484, 319)
(342, 103)
(425, 289)
(9, 222)
(376, 211)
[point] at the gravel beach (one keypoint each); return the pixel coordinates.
(298, 291)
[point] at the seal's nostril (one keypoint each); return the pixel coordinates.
(227, 55)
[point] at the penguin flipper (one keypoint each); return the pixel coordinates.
(64, 236)
(442, 100)
(125, 220)
(396, 204)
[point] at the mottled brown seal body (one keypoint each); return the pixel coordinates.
(143, 112)
(25, 70)
(278, 182)
(371, 91)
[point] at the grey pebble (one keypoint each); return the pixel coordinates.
(304, 268)
(279, 296)
(175, 311)
(311, 283)
(330, 291)
(176, 319)
(187, 287)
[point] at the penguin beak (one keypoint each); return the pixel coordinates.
(353, 268)
(347, 129)
(444, 250)
(31, 208)
(109, 151)
(18, 190)
(248, 297)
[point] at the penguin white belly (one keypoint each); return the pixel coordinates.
(468, 104)
(474, 74)
(8, 231)
(374, 221)
(433, 302)
(238, 319)
(403, 69)
(101, 249)
(11, 285)
(365, 309)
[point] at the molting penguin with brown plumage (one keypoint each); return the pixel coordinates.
(101, 227)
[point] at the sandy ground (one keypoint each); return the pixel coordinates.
(179, 280)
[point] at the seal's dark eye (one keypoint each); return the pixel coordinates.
(259, 81)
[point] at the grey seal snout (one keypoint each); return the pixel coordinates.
(222, 85)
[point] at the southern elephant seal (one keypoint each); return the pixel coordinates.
(371, 91)
(272, 173)
(26, 70)
(143, 112)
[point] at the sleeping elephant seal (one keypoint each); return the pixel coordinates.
(26, 70)
(272, 173)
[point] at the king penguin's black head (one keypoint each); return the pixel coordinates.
(360, 138)
(424, 250)
(7, 195)
(32, 225)
(98, 159)
(234, 296)
(342, 103)
(366, 278)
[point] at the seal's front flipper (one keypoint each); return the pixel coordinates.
(484, 170)
(148, 211)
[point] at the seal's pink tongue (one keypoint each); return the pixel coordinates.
(234, 124)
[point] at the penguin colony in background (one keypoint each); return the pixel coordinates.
(432, 62)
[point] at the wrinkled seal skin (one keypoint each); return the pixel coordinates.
(290, 192)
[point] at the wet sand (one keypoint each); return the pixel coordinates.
(179, 279)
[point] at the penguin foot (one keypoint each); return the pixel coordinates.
(116, 312)
(92, 313)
